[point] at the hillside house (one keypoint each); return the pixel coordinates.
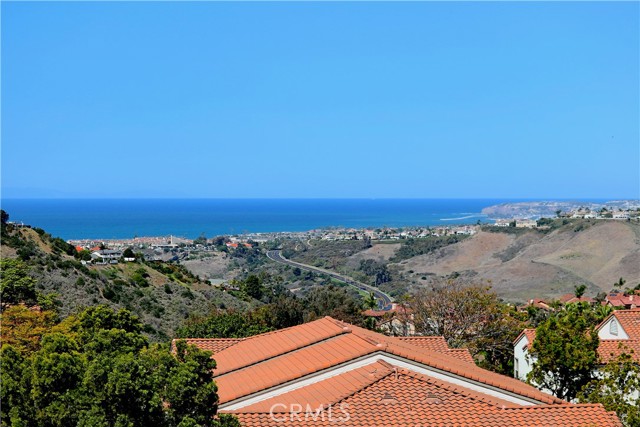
(526, 223)
(106, 256)
(327, 372)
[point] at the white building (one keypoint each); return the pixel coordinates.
(526, 223)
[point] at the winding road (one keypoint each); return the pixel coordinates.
(384, 300)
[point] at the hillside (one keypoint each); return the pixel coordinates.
(161, 294)
(528, 264)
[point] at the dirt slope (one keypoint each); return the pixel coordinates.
(533, 264)
(380, 252)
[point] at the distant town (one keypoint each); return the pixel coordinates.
(167, 248)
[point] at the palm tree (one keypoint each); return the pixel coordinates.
(370, 301)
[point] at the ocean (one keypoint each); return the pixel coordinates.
(127, 218)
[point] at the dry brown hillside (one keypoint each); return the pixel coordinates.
(533, 264)
(379, 252)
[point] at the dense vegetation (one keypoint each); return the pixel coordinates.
(161, 294)
(470, 315)
(97, 369)
(281, 311)
(415, 247)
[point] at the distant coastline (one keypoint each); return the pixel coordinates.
(189, 218)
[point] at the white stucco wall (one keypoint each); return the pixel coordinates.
(521, 363)
(606, 331)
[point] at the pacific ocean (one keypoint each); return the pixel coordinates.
(127, 218)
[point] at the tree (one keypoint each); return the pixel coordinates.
(620, 283)
(332, 301)
(285, 311)
(23, 328)
(97, 369)
(370, 302)
(128, 253)
(252, 286)
(222, 324)
(200, 240)
(617, 388)
(565, 348)
(16, 285)
(4, 217)
(471, 316)
(579, 290)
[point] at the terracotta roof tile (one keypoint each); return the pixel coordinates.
(377, 394)
(433, 343)
(279, 370)
(265, 346)
(329, 391)
(530, 334)
(629, 320)
(610, 349)
(410, 399)
(439, 344)
(455, 366)
(213, 345)
(462, 354)
(271, 359)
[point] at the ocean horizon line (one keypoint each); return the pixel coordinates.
(124, 218)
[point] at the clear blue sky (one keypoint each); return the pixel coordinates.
(211, 99)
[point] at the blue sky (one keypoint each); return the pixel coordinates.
(401, 100)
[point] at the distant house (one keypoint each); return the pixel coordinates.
(502, 223)
(106, 256)
(621, 215)
(398, 321)
(526, 223)
(571, 298)
(536, 303)
(622, 300)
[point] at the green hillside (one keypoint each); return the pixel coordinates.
(163, 295)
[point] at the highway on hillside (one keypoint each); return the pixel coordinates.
(384, 300)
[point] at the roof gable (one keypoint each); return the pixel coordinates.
(628, 320)
(274, 359)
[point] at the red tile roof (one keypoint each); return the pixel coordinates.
(621, 300)
(213, 345)
(439, 344)
(530, 334)
(433, 343)
(373, 392)
(571, 298)
(383, 395)
(610, 349)
(257, 363)
(629, 320)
